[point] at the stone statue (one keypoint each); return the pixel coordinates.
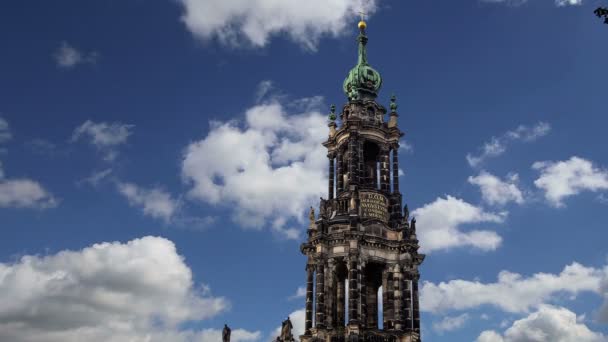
(413, 225)
(406, 213)
(286, 327)
(226, 334)
(322, 207)
(311, 216)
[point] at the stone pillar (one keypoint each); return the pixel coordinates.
(309, 298)
(415, 304)
(398, 293)
(363, 294)
(361, 174)
(330, 293)
(352, 160)
(396, 169)
(384, 298)
(407, 296)
(320, 309)
(388, 298)
(340, 176)
(340, 298)
(372, 305)
(385, 181)
(352, 292)
(331, 176)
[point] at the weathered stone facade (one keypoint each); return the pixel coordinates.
(362, 239)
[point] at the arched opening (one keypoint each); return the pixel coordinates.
(371, 153)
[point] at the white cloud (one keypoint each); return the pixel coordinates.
(24, 193)
(254, 22)
(269, 169)
(603, 311)
(300, 293)
(154, 202)
(497, 146)
(451, 323)
(67, 56)
(105, 136)
(567, 178)
(136, 291)
(439, 222)
(297, 318)
(496, 191)
(96, 177)
(561, 3)
(21, 193)
(512, 292)
(406, 147)
(558, 3)
(5, 133)
(549, 323)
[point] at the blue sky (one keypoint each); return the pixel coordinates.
(157, 159)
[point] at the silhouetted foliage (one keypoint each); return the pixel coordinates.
(602, 12)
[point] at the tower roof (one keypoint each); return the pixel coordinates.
(363, 81)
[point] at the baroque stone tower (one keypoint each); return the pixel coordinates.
(362, 245)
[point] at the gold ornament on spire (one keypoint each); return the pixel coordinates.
(362, 24)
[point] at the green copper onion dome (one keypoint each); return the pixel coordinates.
(363, 81)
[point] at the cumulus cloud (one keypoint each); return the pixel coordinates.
(498, 145)
(548, 323)
(24, 193)
(439, 225)
(105, 136)
(254, 22)
(512, 292)
(451, 323)
(569, 177)
(495, 191)
(67, 56)
(136, 291)
(155, 202)
(269, 168)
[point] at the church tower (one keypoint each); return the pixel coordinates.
(362, 245)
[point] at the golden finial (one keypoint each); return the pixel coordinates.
(362, 24)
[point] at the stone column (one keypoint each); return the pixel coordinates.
(398, 293)
(330, 293)
(331, 176)
(396, 169)
(415, 306)
(407, 294)
(352, 292)
(388, 303)
(320, 309)
(352, 160)
(309, 298)
(341, 296)
(372, 305)
(361, 162)
(340, 176)
(363, 294)
(385, 181)
(384, 298)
